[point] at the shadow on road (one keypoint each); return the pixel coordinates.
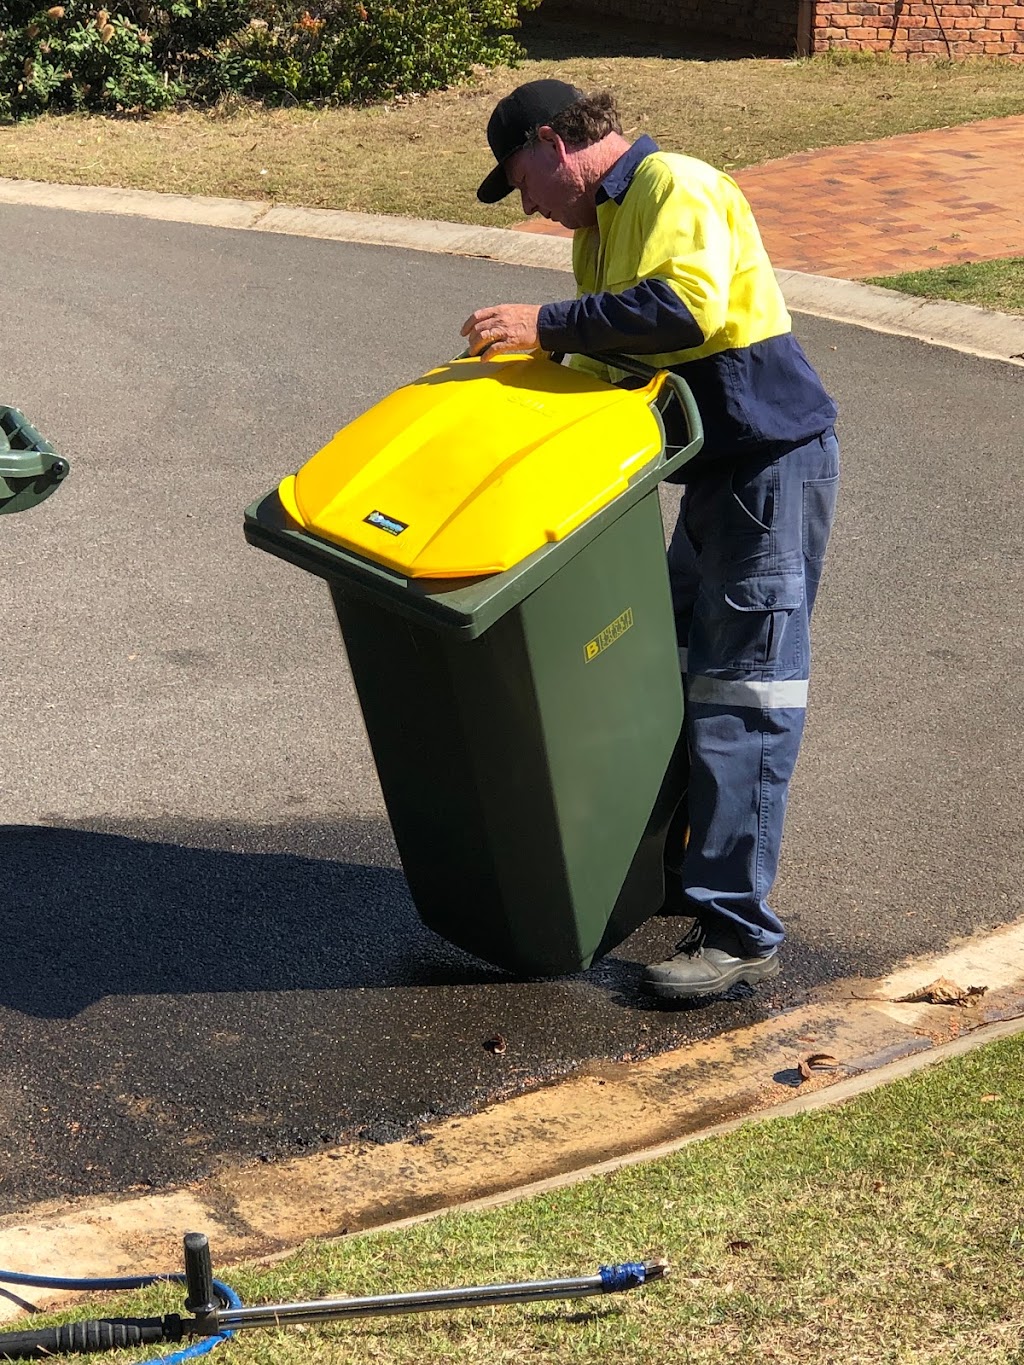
(173, 991)
(90, 913)
(194, 909)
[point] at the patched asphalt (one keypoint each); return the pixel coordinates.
(207, 951)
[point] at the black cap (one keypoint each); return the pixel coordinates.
(514, 119)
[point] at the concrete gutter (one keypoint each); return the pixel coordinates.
(961, 327)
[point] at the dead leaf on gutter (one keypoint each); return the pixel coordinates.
(942, 992)
(817, 1061)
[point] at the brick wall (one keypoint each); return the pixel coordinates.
(918, 28)
(907, 28)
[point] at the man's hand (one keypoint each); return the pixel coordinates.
(506, 327)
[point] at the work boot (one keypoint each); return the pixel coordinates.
(707, 962)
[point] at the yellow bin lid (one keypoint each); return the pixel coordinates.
(476, 465)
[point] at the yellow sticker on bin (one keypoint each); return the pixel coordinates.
(474, 466)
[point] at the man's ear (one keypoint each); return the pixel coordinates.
(551, 140)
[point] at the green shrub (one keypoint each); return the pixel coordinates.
(73, 56)
(347, 51)
(139, 57)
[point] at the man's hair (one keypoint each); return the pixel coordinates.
(585, 122)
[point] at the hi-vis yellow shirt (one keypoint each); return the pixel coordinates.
(675, 271)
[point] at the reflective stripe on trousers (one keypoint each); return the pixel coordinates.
(745, 561)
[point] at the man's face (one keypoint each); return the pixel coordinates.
(549, 179)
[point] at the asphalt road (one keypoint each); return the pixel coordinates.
(207, 951)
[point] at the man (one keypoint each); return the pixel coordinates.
(670, 267)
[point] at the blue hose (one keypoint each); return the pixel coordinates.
(628, 1275)
(198, 1348)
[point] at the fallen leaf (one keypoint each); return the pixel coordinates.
(941, 992)
(987, 1099)
(816, 1061)
(498, 1045)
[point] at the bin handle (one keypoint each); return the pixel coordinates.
(30, 464)
(680, 389)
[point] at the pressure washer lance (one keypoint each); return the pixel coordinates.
(212, 1315)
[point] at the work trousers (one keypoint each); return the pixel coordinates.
(745, 561)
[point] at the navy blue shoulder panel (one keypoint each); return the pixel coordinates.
(757, 400)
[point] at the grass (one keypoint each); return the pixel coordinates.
(425, 157)
(988, 284)
(887, 1231)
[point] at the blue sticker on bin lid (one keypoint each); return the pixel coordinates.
(383, 522)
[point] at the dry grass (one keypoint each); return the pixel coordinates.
(425, 158)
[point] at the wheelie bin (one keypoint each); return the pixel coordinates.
(30, 468)
(492, 539)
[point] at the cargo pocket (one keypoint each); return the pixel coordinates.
(746, 621)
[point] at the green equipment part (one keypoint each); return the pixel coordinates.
(30, 468)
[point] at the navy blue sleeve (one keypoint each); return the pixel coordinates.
(648, 319)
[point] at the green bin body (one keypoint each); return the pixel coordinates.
(525, 727)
